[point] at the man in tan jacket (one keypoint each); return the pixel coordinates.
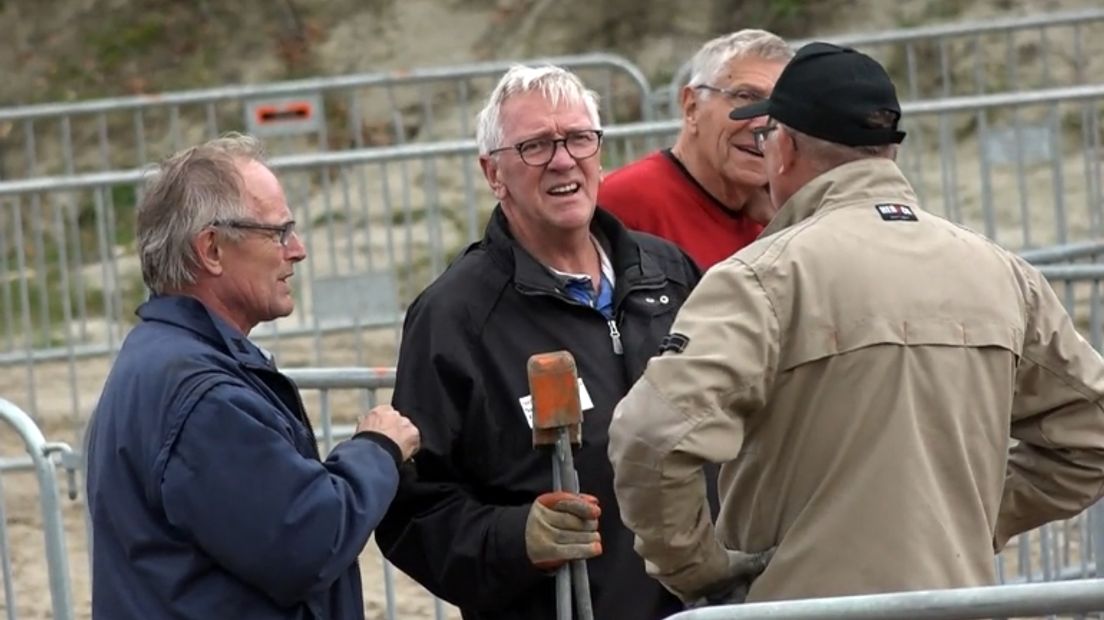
(861, 372)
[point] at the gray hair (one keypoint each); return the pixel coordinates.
(191, 189)
(710, 61)
(555, 83)
(825, 155)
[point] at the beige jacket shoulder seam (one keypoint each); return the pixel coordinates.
(727, 396)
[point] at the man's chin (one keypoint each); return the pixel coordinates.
(746, 180)
(576, 215)
(283, 310)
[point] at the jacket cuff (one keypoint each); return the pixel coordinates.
(709, 568)
(509, 546)
(384, 442)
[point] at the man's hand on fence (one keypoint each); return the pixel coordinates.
(562, 527)
(388, 422)
(743, 568)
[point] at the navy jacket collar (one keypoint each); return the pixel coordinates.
(190, 313)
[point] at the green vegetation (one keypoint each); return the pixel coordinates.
(140, 34)
(324, 219)
(51, 301)
(45, 287)
(400, 216)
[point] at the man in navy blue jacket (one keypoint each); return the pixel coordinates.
(208, 495)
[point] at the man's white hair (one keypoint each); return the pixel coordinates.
(826, 155)
(557, 84)
(711, 60)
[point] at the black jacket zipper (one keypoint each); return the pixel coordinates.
(612, 324)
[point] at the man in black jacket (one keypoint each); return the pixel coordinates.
(475, 523)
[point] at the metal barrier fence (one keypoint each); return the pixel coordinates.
(318, 114)
(368, 382)
(357, 389)
(430, 104)
(1076, 597)
(1061, 551)
(381, 223)
(39, 453)
(971, 58)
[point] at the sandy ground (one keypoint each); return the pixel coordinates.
(31, 585)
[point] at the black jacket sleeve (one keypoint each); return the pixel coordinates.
(465, 551)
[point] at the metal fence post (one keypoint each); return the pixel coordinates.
(39, 450)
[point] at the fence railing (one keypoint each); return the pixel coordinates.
(317, 114)
(369, 382)
(39, 452)
(438, 103)
(333, 397)
(381, 223)
(971, 57)
(1038, 599)
(1060, 551)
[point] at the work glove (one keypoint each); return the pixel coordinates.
(562, 527)
(743, 568)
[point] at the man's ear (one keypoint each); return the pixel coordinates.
(689, 102)
(206, 245)
(491, 173)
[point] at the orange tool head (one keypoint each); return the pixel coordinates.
(554, 386)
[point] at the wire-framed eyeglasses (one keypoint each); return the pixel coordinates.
(540, 151)
(283, 231)
(739, 97)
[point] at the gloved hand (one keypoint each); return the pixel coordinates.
(562, 527)
(743, 568)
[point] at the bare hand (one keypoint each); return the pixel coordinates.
(386, 421)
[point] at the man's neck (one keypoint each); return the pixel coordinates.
(733, 198)
(572, 252)
(217, 306)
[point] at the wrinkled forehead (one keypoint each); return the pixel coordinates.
(264, 194)
(532, 112)
(749, 71)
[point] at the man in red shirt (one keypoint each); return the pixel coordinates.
(708, 193)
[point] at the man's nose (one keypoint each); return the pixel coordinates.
(296, 250)
(561, 159)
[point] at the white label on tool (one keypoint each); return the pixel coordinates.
(526, 402)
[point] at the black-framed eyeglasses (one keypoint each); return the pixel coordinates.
(738, 98)
(760, 134)
(540, 151)
(284, 231)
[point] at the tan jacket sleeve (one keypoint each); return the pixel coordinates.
(686, 410)
(1057, 468)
